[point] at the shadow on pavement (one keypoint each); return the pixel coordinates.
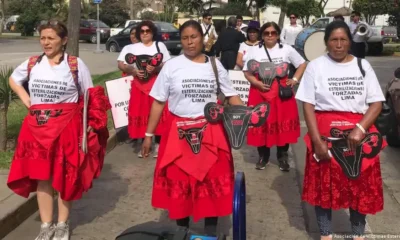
(101, 199)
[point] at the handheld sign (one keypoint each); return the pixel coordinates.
(241, 85)
(118, 91)
(142, 61)
(350, 161)
(237, 119)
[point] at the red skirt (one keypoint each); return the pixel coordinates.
(139, 109)
(282, 125)
(326, 185)
(194, 184)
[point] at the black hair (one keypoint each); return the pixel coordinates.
(239, 17)
(339, 16)
(294, 15)
(193, 24)
(206, 14)
(277, 29)
(132, 28)
(336, 25)
(356, 13)
(248, 30)
(148, 24)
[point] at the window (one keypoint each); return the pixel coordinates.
(101, 24)
(321, 23)
(166, 27)
(128, 29)
(84, 24)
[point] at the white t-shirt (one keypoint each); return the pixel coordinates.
(53, 84)
(332, 86)
(188, 86)
(289, 34)
(212, 30)
(244, 48)
(278, 55)
(141, 49)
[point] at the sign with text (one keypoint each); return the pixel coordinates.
(240, 83)
(118, 91)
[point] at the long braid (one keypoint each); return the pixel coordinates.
(280, 44)
(63, 53)
(40, 58)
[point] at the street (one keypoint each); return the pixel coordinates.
(121, 197)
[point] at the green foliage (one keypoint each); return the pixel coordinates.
(304, 9)
(232, 8)
(111, 12)
(6, 94)
(149, 16)
(371, 8)
(191, 6)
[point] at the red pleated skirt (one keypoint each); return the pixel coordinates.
(139, 111)
(51, 151)
(326, 185)
(187, 184)
(282, 125)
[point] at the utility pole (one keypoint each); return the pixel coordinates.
(98, 50)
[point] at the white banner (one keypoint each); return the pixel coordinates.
(118, 91)
(240, 83)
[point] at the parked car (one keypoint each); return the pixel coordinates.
(120, 27)
(166, 33)
(380, 34)
(392, 94)
(87, 30)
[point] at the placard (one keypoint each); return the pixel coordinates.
(240, 83)
(118, 91)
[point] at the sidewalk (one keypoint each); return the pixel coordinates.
(121, 198)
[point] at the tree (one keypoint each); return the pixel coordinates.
(371, 8)
(2, 15)
(74, 16)
(112, 12)
(282, 4)
(304, 9)
(191, 6)
(6, 97)
(232, 8)
(321, 6)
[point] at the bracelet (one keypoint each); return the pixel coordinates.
(296, 80)
(361, 128)
(149, 134)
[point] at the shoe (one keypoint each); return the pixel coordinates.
(140, 154)
(46, 231)
(283, 162)
(261, 164)
(62, 231)
(156, 146)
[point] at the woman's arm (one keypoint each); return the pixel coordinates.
(239, 60)
(254, 81)
(21, 92)
(300, 71)
(155, 114)
(235, 100)
(126, 68)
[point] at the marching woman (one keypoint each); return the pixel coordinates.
(48, 155)
(194, 170)
(252, 41)
(283, 125)
(121, 63)
(338, 101)
(140, 101)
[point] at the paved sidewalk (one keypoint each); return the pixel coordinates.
(121, 199)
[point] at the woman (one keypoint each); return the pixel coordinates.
(194, 171)
(121, 64)
(326, 106)
(252, 41)
(140, 100)
(283, 125)
(48, 156)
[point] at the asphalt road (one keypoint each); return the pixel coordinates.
(95, 218)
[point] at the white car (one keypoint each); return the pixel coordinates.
(120, 27)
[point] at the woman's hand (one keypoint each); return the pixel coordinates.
(146, 147)
(140, 74)
(321, 150)
(89, 129)
(150, 69)
(26, 102)
(354, 138)
(261, 86)
(291, 82)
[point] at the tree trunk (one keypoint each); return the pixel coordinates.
(2, 17)
(74, 16)
(3, 128)
(132, 9)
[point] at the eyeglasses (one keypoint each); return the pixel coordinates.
(292, 17)
(271, 34)
(145, 31)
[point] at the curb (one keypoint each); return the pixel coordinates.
(22, 208)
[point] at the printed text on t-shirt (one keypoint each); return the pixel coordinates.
(198, 90)
(346, 87)
(48, 90)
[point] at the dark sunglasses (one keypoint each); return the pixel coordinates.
(268, 33)
(292, 17)
(143, 31)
